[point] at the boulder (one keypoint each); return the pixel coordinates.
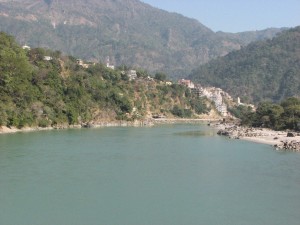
(290, 134)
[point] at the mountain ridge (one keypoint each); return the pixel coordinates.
(129, 32)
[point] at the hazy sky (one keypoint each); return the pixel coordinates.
(236, 15)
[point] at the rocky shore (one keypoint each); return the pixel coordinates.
(137, 123)
(280, 140)
(98, 124)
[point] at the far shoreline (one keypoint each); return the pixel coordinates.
(278, 139)
(105, 124)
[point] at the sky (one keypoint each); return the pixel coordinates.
(236, 15)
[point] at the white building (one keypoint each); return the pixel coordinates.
(108, 65)
(131, 74)
(244, 104)
(81, 63)
(47, 58)
(215, 95)
(26, 47)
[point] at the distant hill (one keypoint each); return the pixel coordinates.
(264, 70)
(128, 31)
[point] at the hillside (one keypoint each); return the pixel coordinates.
(43, 88)
(264, 70)
(128, 31)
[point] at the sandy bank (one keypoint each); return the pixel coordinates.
(279, 139)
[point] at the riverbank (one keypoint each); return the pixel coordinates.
(182, 120)
(99, 124)
(280, 140)
(11, 130)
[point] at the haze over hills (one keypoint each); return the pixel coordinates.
(128, 31)
(263, 70)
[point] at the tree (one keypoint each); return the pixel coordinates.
(199, 105)
(14, 65)
(291, 115)
(160, 76)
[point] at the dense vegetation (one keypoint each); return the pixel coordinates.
(264, 70)
(40, 87)
(129, 32)
(285, 115)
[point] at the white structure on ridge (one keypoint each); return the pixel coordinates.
(131, 74)
(108, 65)
(26, 47)
(244, 104)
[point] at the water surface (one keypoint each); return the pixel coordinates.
(166, 175)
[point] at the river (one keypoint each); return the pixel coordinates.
(164, 175)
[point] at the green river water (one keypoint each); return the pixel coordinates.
(164, 175)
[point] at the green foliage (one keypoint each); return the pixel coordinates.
(239, 111)
(44, 123)
(291, 115)
(180, 112)
(274, 116)
(268, 115)
(160, 76)
(199, 105)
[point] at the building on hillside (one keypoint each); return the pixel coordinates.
(108, 65)
(187, 83)
(131, 74)
(150, 78)
(215, 95)
(244, 104)
(198, 91)
(81, 63)
(26, 47)
(217, 98)
(47, 58)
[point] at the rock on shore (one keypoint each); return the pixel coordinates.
(281, 140)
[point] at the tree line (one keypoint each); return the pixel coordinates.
(283, 116)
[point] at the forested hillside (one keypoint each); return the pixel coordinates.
(264, 70)
(43, 88)
(129, 32)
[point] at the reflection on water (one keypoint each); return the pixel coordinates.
(197, 133)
